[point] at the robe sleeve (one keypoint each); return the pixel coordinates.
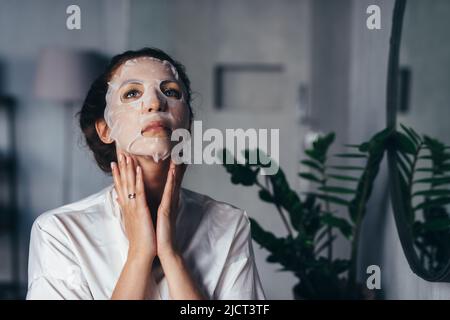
(53, 270)
(239, 279)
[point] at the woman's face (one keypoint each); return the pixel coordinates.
(145, 102)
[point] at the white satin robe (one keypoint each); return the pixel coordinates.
(78, 251)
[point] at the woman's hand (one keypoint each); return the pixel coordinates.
(168, 210)
(129, 182)
(181, 284)
(143, 242)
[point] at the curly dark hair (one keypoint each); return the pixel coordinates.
(94, 104)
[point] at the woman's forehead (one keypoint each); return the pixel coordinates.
(144, 68)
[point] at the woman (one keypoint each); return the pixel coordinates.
(144, 237)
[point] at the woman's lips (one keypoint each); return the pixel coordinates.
(154, 127)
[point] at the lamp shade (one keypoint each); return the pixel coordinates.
(63, 75)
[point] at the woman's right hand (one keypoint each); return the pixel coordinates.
(136, 214)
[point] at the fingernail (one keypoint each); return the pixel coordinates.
(121, 158)
(138, 169)
(113, 165)
(128, 159)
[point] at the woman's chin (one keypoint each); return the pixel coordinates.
(155, 150)
(155, 157)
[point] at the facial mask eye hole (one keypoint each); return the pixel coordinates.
(171, 89)
(131, 92)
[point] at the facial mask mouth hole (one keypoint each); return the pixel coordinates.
(149, 133)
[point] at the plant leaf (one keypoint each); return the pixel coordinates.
(424, 169)
(431, 203)
(340, 177)
(265, 195)
(411, 135)
(320, 147)
(310, 177)
(337, 190)
(353, 146)
(435, 181)
(404, 143)
(403, 167)
(340, 223)
(349, 168)
(350, 155)
(439, 224)
(406, 159)
(264, 238)
(312, 164)
(432, 192)
(332, 199)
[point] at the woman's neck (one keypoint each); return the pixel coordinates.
(155, 176)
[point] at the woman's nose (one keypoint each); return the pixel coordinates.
(156, 104)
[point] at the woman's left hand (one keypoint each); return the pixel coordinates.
(168, 210)
(181, 284)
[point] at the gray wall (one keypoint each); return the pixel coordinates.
(369, 60)
(330, 47)
(426, 51)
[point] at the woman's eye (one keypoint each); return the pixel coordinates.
(132, 94)
(172, 93)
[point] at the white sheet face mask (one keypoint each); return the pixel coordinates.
(145, 102)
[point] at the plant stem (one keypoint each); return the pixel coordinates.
(411, 212)
(283, 218)
(354, 255)
(308, 284)
(413, 168)
(288, 228)
(328, 243)
(356, 233)
(329, 229)
(328, 209)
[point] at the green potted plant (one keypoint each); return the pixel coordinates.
(311, 220)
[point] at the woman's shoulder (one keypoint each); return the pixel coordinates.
(75, 212)
(218, 225)
(215, 212)
(211, 205)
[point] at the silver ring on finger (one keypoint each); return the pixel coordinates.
(132, 196)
